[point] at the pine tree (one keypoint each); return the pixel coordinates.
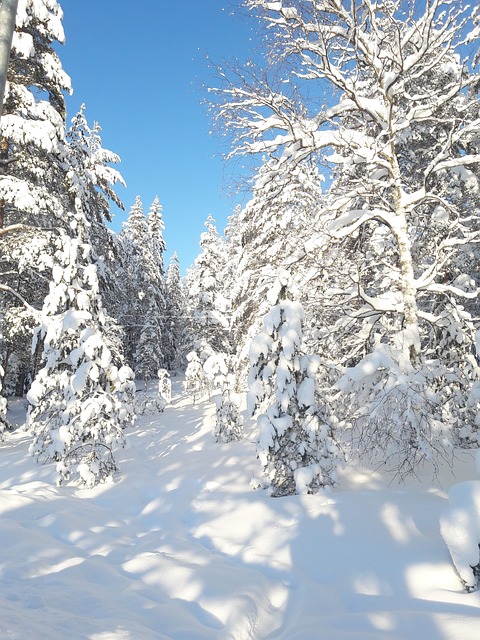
(92, 181)
(209, 305)
(33, 192)
(80, 402)
(143, 313)
(175, 340)
(297, 445)
(196, 383)
(149, 353)
(134, 304)
(272, 233)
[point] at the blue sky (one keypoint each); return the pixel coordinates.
(138, 66)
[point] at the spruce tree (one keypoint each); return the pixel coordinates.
(297, 444)
(33, 191)
(80, 401)
(175, 327)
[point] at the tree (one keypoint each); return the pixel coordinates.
(144, 300)
(271, 234)
(33, 191)
(91, 182)
(297, 446)
(196, 383)
(176, 322)
(80, 401)
(393, 117)
(228, 421)
(149, 354)
(205, 285)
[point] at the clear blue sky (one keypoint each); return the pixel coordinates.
(138, 65)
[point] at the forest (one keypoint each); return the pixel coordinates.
(338, 310)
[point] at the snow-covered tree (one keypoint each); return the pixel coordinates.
(228, 425)
(297, 446)
(175, 326)
(270, 234)
(91, 181)
(395, 120)
(80, 401)
(33, 194)
(196, 383)
(156, 242)
(144, 301)
(205, 285)
(164, 385)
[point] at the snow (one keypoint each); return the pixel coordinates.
(460, 528)
(180, 547)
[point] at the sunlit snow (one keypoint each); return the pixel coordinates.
(180, 547)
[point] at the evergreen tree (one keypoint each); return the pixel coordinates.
(272, 233)
(209, 305)
(297, 446)
(134, 303)
(143, 313)
(80, 402)
(196, 383)
(33, 192)
(92, 182)
(175, 340)
(149, 353)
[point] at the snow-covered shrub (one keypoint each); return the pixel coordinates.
(395, 411)
(164, 385)
(146, 404)
(228, 421)
(297, 446)
(196, 383)
(460, 528)
(216, 371)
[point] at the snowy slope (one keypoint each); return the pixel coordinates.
(181, 547)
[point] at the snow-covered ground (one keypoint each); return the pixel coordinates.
(181, 547)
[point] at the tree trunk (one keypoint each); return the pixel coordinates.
(8, 11)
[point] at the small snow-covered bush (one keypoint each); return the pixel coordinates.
(196, 383)
(164, 385)
(228, 421)
(146, 404)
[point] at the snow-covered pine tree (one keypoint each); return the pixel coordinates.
(134, 304)
(271, 232)
(297, 445)
(92, 180)
(149, 354)
(228, 421)
(208, 303)
(143, 309)
(33, 196)
(196, 383)
(80, 401)
(156, 244)
(398, 129)
(175, 326)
